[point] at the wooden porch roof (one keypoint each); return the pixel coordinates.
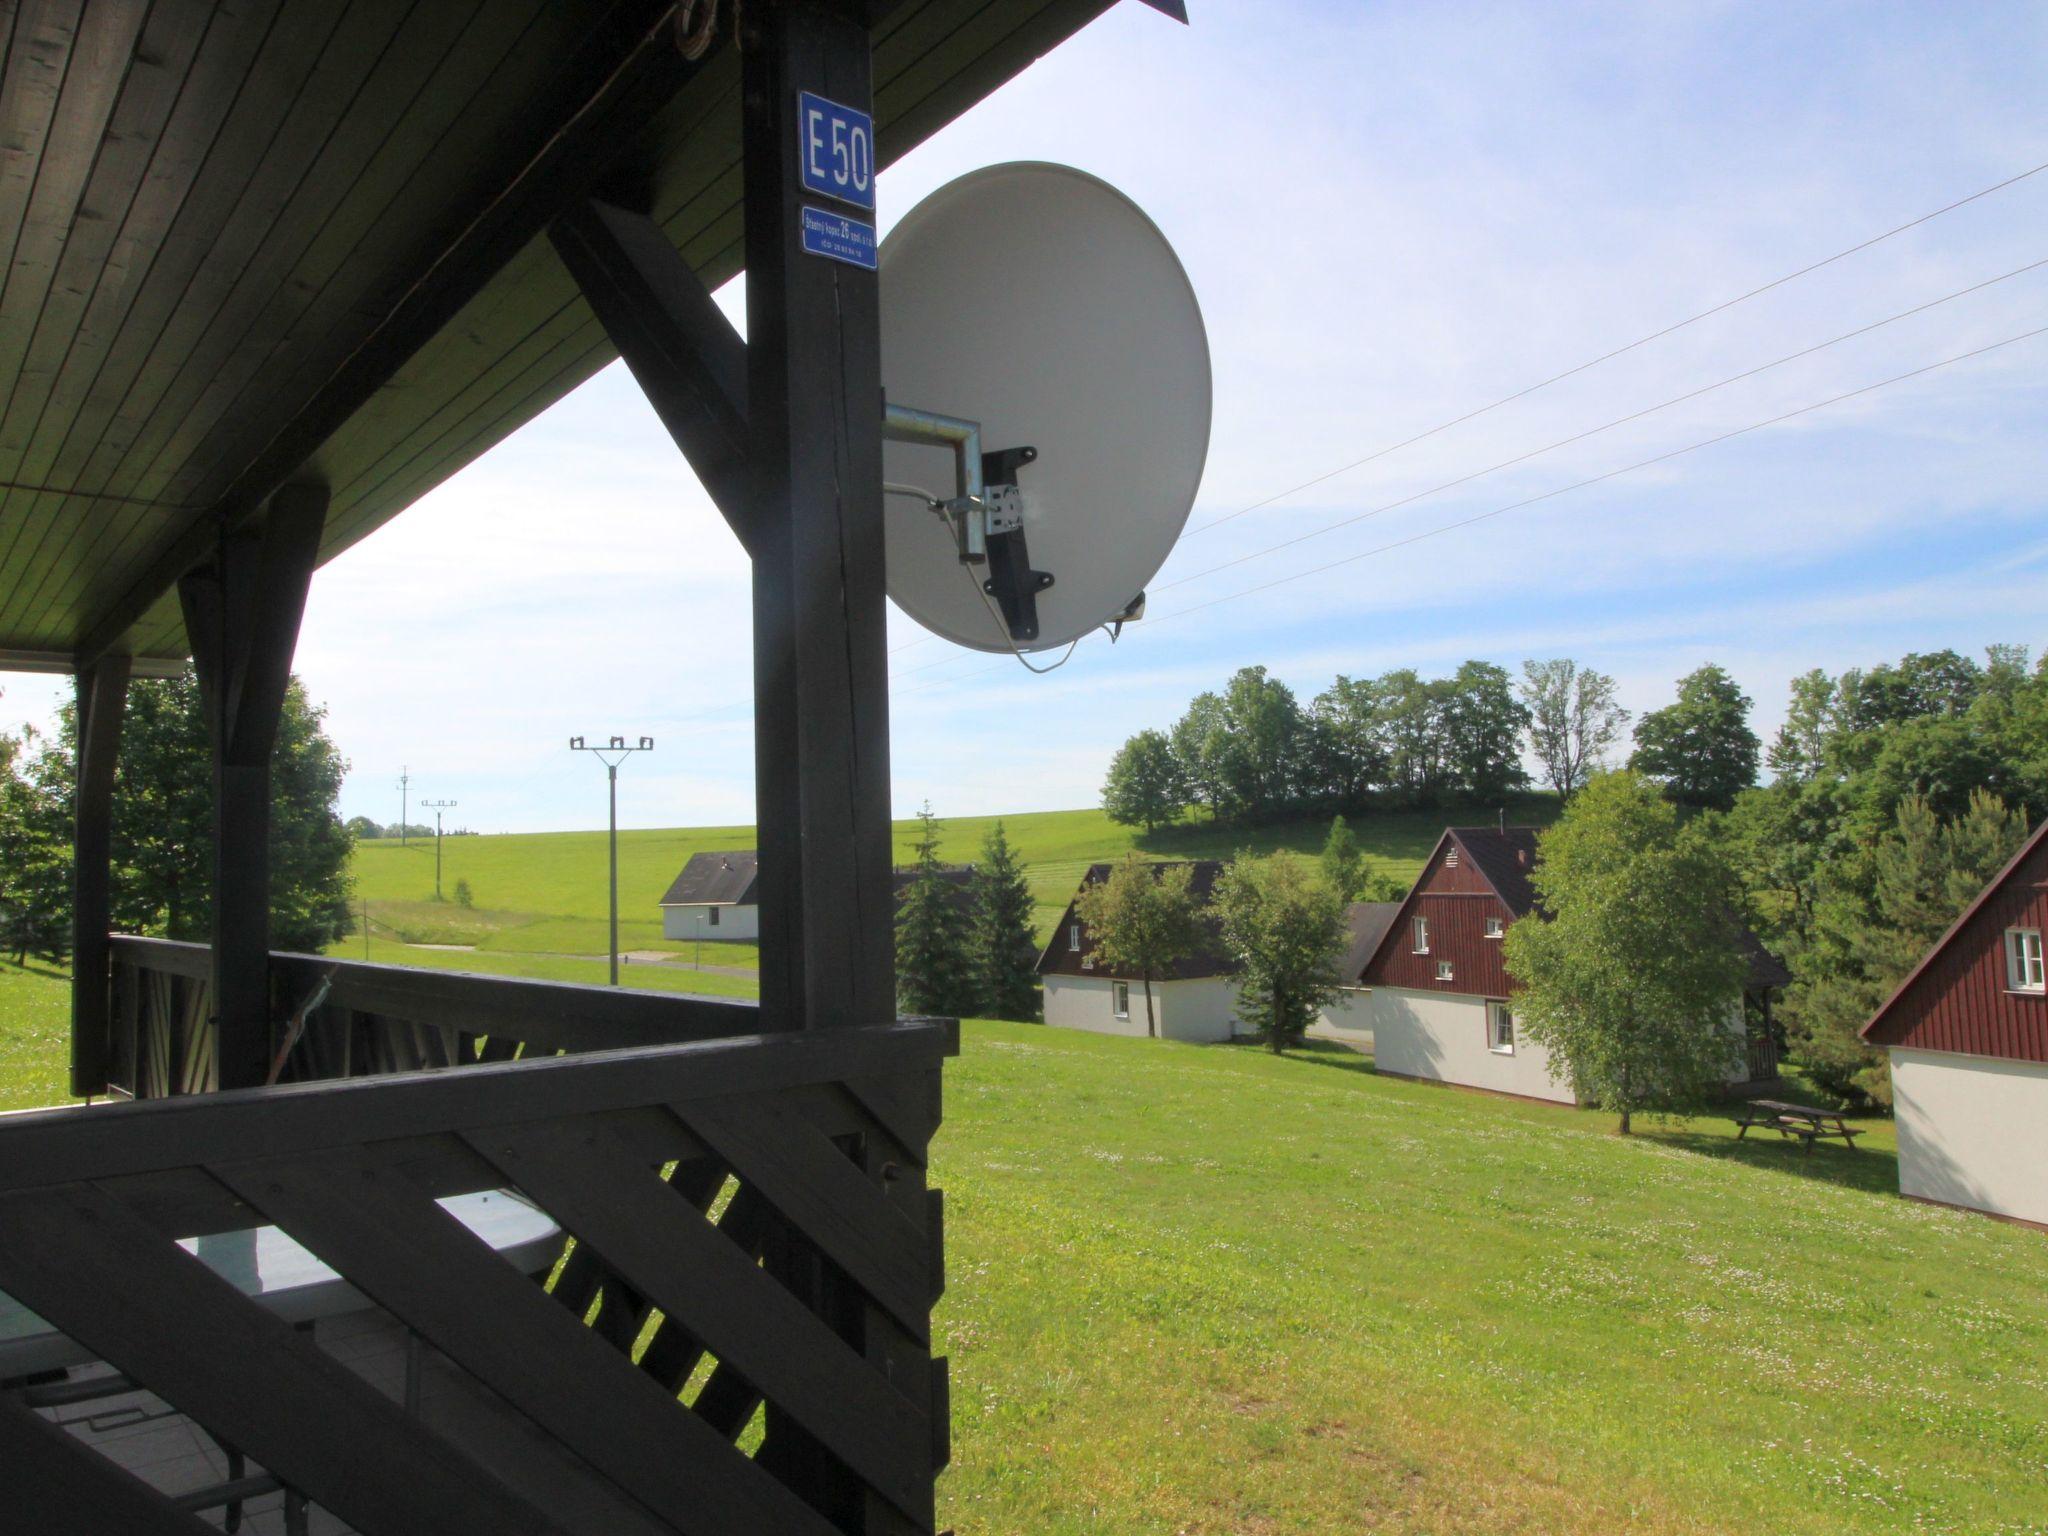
(250, 242)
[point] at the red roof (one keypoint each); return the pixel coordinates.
(1957, 997)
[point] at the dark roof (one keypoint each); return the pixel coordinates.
(1060, 958)
(958, 877)
(258, 248)
(1367, 922)
(1506, 857)
(715, 880)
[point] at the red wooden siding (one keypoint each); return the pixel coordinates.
(1457, 900)
(1958, 999)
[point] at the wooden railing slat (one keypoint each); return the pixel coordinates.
(400, 1249)
(902, 1106)
(587, 1181)
(99, 1272)
(825, 1196)
(57, 1485)
(57, 1146)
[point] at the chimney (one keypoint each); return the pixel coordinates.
(1503, 821)
(1522, 857)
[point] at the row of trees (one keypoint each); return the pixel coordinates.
(1254, 752)
(976, 957)
(162, 825)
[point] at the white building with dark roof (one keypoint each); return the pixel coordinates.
(713, 898)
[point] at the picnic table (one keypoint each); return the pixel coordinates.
(1801, 1120)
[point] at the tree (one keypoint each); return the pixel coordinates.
(163, 817)
(1482, 725)
(361, 828)
(1701, 748)
(1144, 920)
(35, 851)
(1879, 911)
(1286, 927)
(1002, 951)
(1409, 714)
(1343, 864)
(1348, 754)
(933, 975)
(1145, 787)
(1632, 978)
(1573, 720)
(1811, 721)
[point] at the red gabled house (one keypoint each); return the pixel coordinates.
(1968, 1035)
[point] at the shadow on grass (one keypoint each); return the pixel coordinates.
(1315, 1053)
(1875, 1169)
(31, 968)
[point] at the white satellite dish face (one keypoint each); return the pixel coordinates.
(1044, 305)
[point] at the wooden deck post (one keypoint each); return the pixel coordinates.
(242, 613)
(102, 697)
(814, 408)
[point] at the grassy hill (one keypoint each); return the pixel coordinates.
(544, 893)
(1206, 1290)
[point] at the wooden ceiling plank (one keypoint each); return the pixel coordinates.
(204, 194)
(220, 231)
(64, 77)
(372, 157)
(456, 143)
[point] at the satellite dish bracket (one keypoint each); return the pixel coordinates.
(1011, 580)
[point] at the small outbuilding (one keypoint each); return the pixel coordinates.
(1968, 1035)
(713, 898)
(1195, 999)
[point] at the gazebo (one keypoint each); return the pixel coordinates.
(407, 1251)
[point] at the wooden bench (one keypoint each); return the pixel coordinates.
(1801, 1120)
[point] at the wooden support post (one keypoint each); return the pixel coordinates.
(102, 696)
(814, 431)
(242, 613)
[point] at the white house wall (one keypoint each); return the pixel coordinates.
(1973, 1130)
(1442, 1037)
(694, 922)
(1348, 1019)
(1202, 1011)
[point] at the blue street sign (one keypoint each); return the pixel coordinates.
(837, 236)
(836, 148)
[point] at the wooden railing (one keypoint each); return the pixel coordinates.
(754, 1243)
(366, 1019)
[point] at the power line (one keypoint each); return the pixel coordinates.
(1619, 421)
(1578, 485)
(1641, 341)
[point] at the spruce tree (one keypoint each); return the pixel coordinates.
(1343, 863)
(932, 971)
(1002, 950)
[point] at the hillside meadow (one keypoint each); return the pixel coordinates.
(1206, 1290)
(545, 892)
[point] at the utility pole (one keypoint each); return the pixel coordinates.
(612, 754)
(437, 807)
(404, 778)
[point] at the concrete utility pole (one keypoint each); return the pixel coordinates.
(404, 778)
(437, 807)
(612, 754)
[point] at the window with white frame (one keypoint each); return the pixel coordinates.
(1074, 936)
(1451, 857)
(1443, 970)
(1120, 999)
(1421, 926)
(2023, 960)
(713, 916)
(1495, 927)
(1500, 1029)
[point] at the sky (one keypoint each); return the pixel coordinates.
(1392, 215)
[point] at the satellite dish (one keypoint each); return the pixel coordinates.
(1043, 308)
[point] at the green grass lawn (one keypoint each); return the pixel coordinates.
(546, 891)
(35, 1035)
(1198, 1289)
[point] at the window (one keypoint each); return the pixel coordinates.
(1120, 999)
(1495, 927)
(714, 916)
(1443, 970)
(2023, 960)
(1421, 935)
(1451, 858)
(1074, 936)
(1500, 1029)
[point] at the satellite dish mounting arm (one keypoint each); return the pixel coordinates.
(1011, 581)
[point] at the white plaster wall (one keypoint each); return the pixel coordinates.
(1442, 1037)
(1186, 1010)
(1973, 1130)
(694, 922)
(1348, 1019)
